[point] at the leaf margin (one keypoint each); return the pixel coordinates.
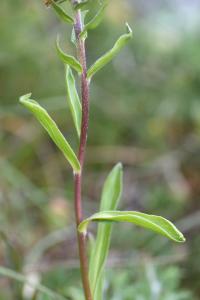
(73, 100)
(95, 21)
(110, 54)
(68, 59)
(54, 132)
(121, 216)
(61, 13)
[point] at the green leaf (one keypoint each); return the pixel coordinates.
(21, 278)
(154, 223)
(92, 24)
(73, 100)
(109, 200)
(112, 189)
(83, 15)
(61, 13)
(52, 129)
(106, 58)
(81, 5)
(68, 59)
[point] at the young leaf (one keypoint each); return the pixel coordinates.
(73, 100)
(95, 21)
(154, 223)
(81, 5)
(106, 58)
(52, 129)
(68, 59)
(61, 13)
(109, 200)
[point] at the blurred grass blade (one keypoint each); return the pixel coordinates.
(154, 223)
(106, 58)
(52, 129)
(109, 200)
(73, 100)
(95, 21)
(12, 253)
(68, 59)
(61, 13)
(14, 261)
(75, 293)
(21, 278)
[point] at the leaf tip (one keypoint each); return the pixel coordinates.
(25, 98)
(181, 238)
(128, 28)
(119, 165)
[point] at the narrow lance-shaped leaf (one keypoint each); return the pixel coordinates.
(61, 13)
(154, 223)
(73, 100)
(52, 129)
(68, 59)
(106, 58)
(109, 200)
(92, 24)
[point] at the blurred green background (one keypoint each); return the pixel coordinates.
(145, 112)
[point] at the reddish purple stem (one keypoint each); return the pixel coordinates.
(81, 157)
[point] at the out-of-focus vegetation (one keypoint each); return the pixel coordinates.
(145, 112)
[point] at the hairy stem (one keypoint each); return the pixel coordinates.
(81, 155)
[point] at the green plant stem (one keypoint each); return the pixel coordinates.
(81, 156)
